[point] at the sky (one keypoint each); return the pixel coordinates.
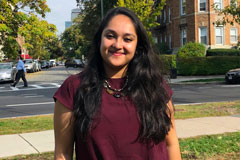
(60, 12)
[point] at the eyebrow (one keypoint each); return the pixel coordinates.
(112, 31)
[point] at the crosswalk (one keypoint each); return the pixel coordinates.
(8, 88)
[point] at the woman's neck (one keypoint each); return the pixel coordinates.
(115, 72)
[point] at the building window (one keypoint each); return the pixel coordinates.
(183, 7)
(202, 5)
(234, 35)
(219, 35)
(169, 14)
(183, 36)
(203, 35)
(218, 4)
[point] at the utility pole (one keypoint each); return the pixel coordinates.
(102, 9)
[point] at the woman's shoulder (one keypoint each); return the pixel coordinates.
(65, 94)
(74, 80)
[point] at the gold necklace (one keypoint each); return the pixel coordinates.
(113, 91)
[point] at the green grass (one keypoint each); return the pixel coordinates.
(207, 80)
(26, 124)
(215, 147)
(42, 156)
(41, 123)
(224, 146)
(207, 110)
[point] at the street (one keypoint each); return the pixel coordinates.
(37, 98)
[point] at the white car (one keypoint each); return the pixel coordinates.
(30, 65)
(7, 72)
(38, 65)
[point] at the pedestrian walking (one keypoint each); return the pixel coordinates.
(20, 73)
(119, 107)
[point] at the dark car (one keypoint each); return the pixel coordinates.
(44, 64)
(74, 63)
(233, 76)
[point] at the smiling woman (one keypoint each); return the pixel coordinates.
(120, 106)
(119, 41)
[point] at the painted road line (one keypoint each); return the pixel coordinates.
(14, 88)
(34, 96)
(36, 86)
(29, 94)
(230, 86)
(55, 84)
(29, 104)
(27, 89)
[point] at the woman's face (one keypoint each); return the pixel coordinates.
(118, 44)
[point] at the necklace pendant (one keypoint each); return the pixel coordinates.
(109, 91)
(116, 95)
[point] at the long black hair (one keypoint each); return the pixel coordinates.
(145, 86)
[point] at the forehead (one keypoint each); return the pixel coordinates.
(121, 23)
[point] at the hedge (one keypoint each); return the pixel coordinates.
(169, 62)
(214, 65)
(223, 52)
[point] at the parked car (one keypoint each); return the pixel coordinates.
(38, 65)
(44, 64)
(53, 62)
(30, 65)
(7, 72)
(74, 63)
(233, 76)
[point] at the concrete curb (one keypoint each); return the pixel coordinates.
(39, 142)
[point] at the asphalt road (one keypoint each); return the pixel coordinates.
(37, 98)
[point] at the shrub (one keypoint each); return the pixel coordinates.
(191, 49)
(213, 65)
(161, 48)
(223, 52)
(169, 62)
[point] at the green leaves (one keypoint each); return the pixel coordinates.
(146, 10)
(16, 17)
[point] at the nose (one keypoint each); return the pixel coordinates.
(118, 43)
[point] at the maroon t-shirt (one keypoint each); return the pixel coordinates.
(115, 135)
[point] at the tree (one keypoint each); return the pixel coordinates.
(146, 10)
(91, 15)
(38, 33)
(13, 15)
(73, 42)
(231, 13)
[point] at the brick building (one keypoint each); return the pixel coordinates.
(195, 20)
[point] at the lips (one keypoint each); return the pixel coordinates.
(117, 53)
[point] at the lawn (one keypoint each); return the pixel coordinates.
(214, 147)
(41, 123)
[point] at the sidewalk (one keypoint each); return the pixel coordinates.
(38, 142)
(181, 79)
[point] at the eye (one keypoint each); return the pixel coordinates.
(109, 36)
(128, 40)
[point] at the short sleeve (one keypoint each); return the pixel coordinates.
(65, 94)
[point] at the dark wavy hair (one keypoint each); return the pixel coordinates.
(145, 86)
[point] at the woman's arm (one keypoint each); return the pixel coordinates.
(63, 130)
(171, 138)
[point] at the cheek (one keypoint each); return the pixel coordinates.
(132, 48)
